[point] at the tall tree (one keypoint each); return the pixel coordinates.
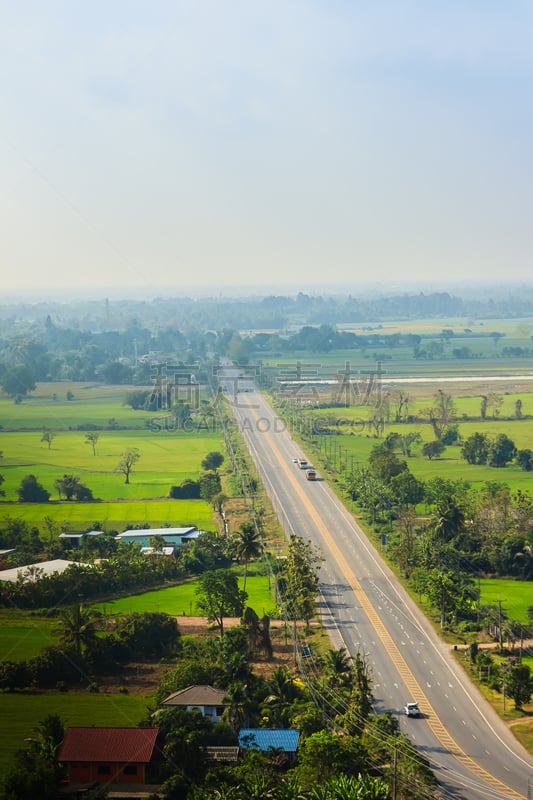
(495, 401)
(246, 544)
(128, 459)
(442, 413)
(31, 491)
(219, 596)
(301, 578)
(78, 627)
(519, 684)
(338, 667)
(72, 488)
(524, 459)
(475, 449)
(502, 451)
(384, 463)
(92, 439)
(48, 437)
(212, 461)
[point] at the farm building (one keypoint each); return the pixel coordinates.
(169, 537)
(34, 572)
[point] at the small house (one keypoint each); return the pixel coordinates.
(208, 700)
(108, 755)
(74, 539)
(266, 739)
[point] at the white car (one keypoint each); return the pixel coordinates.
(294, 460)
(412, 710)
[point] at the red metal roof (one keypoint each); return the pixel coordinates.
(116, 745)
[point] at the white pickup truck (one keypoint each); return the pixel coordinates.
(412, 710)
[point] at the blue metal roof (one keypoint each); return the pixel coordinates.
(269, 739)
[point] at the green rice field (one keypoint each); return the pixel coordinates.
(167, 458)
(515, 597)
(181, 600)
(48, 407)
(114, 516)
(23, 636)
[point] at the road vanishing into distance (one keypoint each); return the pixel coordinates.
(470, 749)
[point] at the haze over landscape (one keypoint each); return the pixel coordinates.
(215, 144)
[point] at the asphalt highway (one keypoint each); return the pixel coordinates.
(366, 610)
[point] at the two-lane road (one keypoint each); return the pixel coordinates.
(472, 752)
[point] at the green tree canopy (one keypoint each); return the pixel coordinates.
(72, 488)
(384, 463)
(212, 461)
(502, 451)
(524, 459)
(31, 491)
(18, 381)
(475, 449)
(219, 596)
(433, 449)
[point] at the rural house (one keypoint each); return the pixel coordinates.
(208, 700)
(108, 755)
(265, 739)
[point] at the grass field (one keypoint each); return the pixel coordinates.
(23, 636)
(515, 597)
(166, 458)
(114, 516)
(48, 407)
(181, 600)
(21, 712)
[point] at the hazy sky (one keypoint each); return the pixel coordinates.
(168, 142)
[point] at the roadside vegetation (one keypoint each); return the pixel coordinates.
(451, 509)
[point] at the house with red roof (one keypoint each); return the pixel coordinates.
(108, 755)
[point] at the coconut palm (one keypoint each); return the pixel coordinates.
(77, 627)
(338, 667)
(246, 545)
(283, 692)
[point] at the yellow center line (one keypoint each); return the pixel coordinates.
(417, 693)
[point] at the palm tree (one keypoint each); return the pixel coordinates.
(448, 520)
(338, 667)
(246, 545)
(237, 702)
(282, 693)
(77, 626)
(47, 737)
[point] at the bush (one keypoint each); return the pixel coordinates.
(187, 490)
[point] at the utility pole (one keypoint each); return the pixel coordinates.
(394, 768)
(500, 636)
